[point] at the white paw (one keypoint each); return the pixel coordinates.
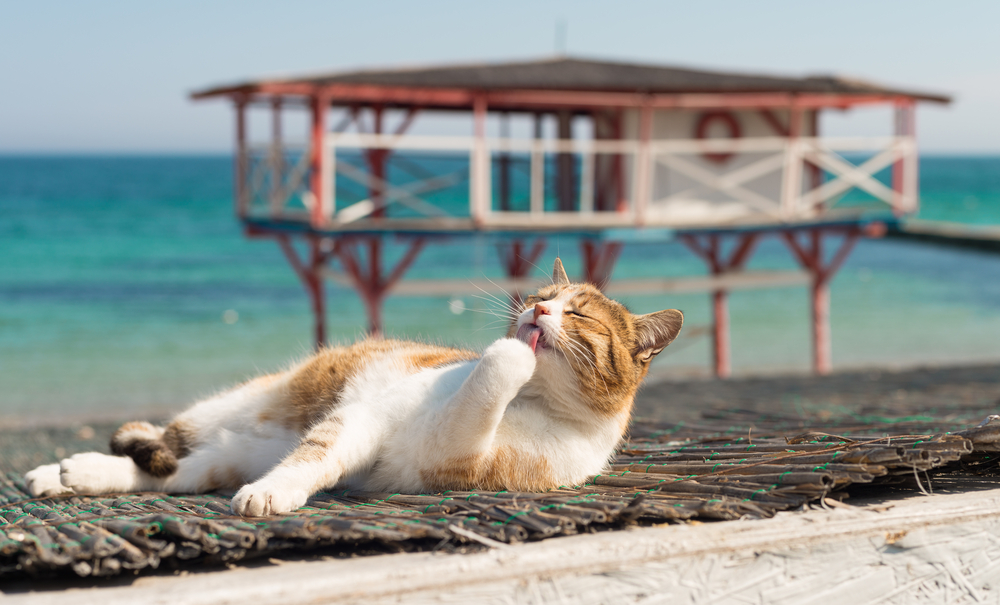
(95, 473)
(44, 481)
(511, 357)
(266, 498)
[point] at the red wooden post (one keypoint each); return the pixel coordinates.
(376, 164)
(811, 258)
(721, 352)
(370, 284)
(822, 346)
(318, 132)
(479, 169)
(622, 204)
(599, 261)
(316, 293)
(517, 262)
(815, 172)
(277, 156)
(565, 179)
(642, 190)
(312, 279)
(711, 253)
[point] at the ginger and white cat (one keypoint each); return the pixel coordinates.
(544, 407)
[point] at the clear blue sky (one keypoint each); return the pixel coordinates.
(111, 75)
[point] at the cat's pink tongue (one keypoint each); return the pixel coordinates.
(529, 334)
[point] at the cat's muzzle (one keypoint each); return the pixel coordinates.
(532, 335)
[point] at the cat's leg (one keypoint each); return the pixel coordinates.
(347, 440)
(97, 473)
(228, 462)
(91, 473)
(349, 437)
(470, 418)
(44, 481)
(323, 456)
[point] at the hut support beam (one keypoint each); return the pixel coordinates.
(518, 260)
(317, 164)
(810, 256)
(242, 158)
(904, 170)
(565, 179)
(370, 281)
(599, 260)
(708, 247)
(311, 274)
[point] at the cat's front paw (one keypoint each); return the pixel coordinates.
(44, 481)
(96, 473)
(511, 357)
(266, 498)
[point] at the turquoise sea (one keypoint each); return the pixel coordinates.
(117, 273)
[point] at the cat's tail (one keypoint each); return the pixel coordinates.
(144, 444)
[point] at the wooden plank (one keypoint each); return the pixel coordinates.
(746, 280)
(978, 237)
(918, 549)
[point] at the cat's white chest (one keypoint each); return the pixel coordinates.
(403, 410)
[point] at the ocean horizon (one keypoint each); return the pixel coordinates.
(128, 287)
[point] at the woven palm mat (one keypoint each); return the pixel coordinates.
(662, 475)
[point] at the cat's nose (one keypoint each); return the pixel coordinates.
(540, 309)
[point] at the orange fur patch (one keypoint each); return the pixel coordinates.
(316, 386)
(505, 468)
(603, 334)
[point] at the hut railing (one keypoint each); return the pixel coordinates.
(279, 179)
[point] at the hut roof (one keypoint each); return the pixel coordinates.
(583, 75)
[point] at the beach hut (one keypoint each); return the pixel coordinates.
(615, 153)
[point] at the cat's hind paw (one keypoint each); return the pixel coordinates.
(264, 498)
(44, 481)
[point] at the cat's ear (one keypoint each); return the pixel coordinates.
(559, 276)
(655, 331)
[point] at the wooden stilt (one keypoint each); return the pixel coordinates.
(599, 260)
(811, 257)
(708, 248)
(317, 135)
(311, 275)
(368, 281)
(518, 260)
(565, 177)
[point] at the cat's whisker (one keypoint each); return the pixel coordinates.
(593, 366)
(489, 296)
(505, 310)
(488, 312)
(499, 306)
(507, 303)
(508, 294)
(586, 357)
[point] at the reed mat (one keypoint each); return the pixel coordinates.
(664, 473)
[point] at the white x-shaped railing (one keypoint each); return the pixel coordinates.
(789, 157)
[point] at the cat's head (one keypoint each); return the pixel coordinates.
(575, 328)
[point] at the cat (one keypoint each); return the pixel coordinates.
(545, 406)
